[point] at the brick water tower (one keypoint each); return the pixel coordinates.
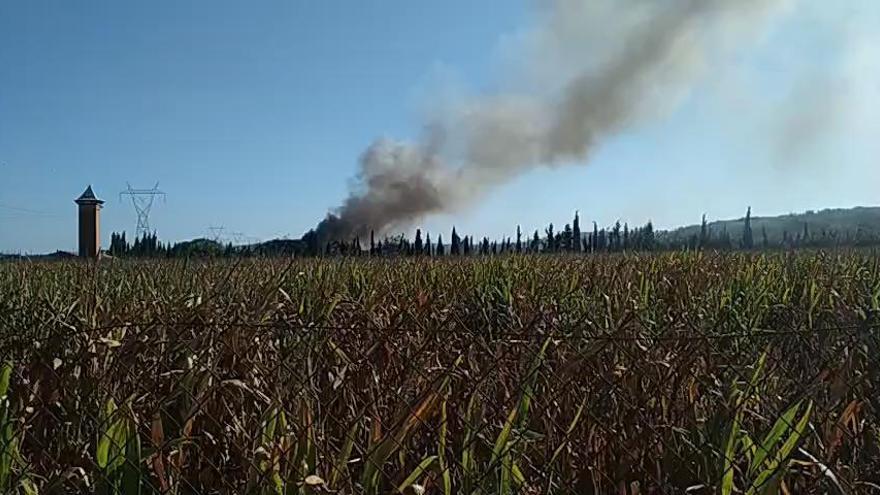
(89, 224)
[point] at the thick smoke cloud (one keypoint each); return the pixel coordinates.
(590, 69)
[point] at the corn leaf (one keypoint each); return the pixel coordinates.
(5, 377)
(340, 467)
(768, 481)
(782, 425)
(417, 473)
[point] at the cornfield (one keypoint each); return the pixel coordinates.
(627, 374)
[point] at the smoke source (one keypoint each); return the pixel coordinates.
(588, 70)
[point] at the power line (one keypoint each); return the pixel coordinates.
(26, 210)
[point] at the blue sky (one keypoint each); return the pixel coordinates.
(252, 115)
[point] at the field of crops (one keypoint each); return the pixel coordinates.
(624, 374)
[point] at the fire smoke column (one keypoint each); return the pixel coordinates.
(589, 70)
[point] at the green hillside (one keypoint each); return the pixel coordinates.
(848, 223)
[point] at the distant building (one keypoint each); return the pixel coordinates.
(89, 224)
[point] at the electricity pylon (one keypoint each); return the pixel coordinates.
(142, 200)
(216, 233)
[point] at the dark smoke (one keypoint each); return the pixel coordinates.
(596, 68)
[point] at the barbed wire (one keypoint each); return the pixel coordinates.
(755, 333)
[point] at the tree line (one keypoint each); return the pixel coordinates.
(571, 238)
(149, 246)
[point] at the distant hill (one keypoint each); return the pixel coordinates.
(847, 222)
(57, 255)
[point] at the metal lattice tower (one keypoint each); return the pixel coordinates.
(142, 200)
(216, 233)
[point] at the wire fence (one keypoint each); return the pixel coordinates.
(537, 406)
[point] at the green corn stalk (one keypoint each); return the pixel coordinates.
(501, 442)
(561, 447)
(730, 450)
(814, 298)
(266, 477)
(131, 470)
(306, 459)
(8, 442)
(505, 486)
(393, 441)
(115, 451)
(768, 445)
(501, 451)
(768, 481)
(340, 467)
(445, 475)
(417, 473)
(5, 378)
(272, 424)
(468, 450)
(568, 432)
(767, 459)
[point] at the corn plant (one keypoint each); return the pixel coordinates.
(768, 459)
(598, 373)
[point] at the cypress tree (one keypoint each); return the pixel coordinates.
(576, 232)
(518, 240)
(403, 243)
(417, 247)
(615, 237)
(550, 239)
(704, 233)
(595, 243)
(566, 238)
(747, 240)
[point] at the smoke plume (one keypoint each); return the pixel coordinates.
(588, 70)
